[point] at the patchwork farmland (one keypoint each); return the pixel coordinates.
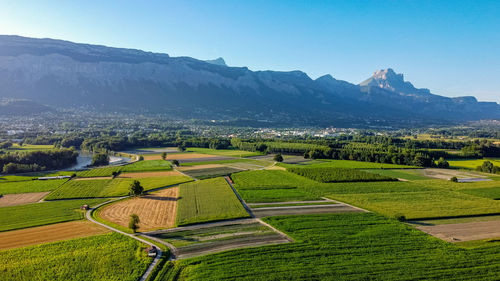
(281, 212)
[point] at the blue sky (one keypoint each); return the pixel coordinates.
(450, 47)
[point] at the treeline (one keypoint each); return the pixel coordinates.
(34, 161)
(488, 167)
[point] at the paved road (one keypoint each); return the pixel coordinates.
(156, 259)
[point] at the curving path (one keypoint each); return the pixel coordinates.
(158, 256)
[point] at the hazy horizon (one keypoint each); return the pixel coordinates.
(448, 47)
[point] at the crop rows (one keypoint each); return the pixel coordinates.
(207, 200)
(338, 175)
(36, 214)
(344, 247)
(102, 257)
(30, 186)
(110, 188)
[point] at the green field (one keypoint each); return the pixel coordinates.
(417, 199)
(89, 189)
(98, 172)
(157, 182)
(36, 214)
(359, 246)
(224, 152)
(30, 186)
(487, 192)
(103, 257)
(140, 166)
(292, 204)
(399, 174)
(30, 147)
(330, 174)
(207, 200)
(33, 176)
(147, 166)
(110, 187)
(472, 164)
(433, 203)
(273, 186)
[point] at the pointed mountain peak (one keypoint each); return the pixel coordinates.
(217, 61)
(326, 77)
(390, 80)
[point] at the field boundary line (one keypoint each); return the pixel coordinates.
(276, 230)
(292, 202)
(303, 207)
(155, 261)
(248, 209)
(340, 202)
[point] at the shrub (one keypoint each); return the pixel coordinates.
(278, 158)
(400, 217)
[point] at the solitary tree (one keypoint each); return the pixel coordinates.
(182, 148)
(115, 174)
(163, 155)
(136, 188)
(278, 157)
(454, 179)
(133, 222)
(442, 163)
(175, 162)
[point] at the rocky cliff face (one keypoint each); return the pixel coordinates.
(66, 74)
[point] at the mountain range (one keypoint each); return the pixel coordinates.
(62, 74)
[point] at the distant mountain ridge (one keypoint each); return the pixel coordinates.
(65, 74)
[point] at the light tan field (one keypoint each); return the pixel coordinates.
(49, 233)
(464, 231)
(179, 156)
(446, 174)
(199, 167)
(94, 178)
(275, 168)
(155, 211)
(21, 198)
(150, 174)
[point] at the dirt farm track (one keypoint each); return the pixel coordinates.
(156, 210)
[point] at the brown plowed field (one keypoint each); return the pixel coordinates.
(150, 174)
(21, 198)
(302, 210)
(464, 231)
(178, 156)
(155, 210)
(49, 233)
